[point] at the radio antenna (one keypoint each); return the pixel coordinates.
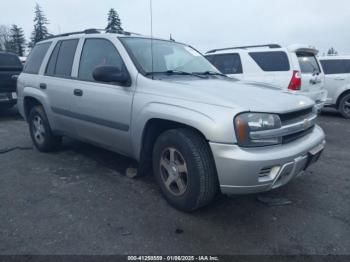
(151, 12)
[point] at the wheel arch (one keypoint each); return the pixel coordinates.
(340, 97)
(156, 119)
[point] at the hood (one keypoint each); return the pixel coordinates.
(246, 96)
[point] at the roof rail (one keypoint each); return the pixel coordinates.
(88, 31)
(244, 47)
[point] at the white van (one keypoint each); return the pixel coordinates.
(337, 82)
(294, 68)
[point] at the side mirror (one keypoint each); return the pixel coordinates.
(110, 74)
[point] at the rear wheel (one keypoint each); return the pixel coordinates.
(344, 106)
(184, 169)
(40, 131)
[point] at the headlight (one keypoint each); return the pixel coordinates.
(247, 123)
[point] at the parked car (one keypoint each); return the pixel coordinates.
(10, 68)
(337, 82)
(294, 68)
(163, 104)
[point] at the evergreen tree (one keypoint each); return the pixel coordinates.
(5, 38)
(40, 31)
(114, 24)
(17, 40)
(332, 51)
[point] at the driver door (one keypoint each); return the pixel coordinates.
(102, 110)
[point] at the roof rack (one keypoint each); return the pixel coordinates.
(245, 47)
(89, 31)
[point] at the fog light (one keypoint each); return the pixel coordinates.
(269, 173)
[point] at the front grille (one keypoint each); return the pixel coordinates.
(295, 116)
(290, 138)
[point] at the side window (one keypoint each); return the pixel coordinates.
(36, 58)
(227, 63)
(98, 52)
(336, 66)
(62, 57)
(271, 61)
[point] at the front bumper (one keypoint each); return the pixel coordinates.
(253, 170)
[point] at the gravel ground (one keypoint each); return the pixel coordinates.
(79, 201)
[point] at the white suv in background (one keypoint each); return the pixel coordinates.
(295, 68)
(337, 82)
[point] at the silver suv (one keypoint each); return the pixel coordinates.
(201, 132)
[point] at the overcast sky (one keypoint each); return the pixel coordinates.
(205, 24)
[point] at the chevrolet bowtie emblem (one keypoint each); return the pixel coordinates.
(306, 123)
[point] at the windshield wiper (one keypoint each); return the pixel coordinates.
(174, 72)
(211, 73)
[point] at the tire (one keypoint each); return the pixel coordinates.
(344, 106)
(192, 153)
(40, 131)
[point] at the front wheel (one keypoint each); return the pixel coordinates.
(184, 169)
(344, 106)
(40, 131)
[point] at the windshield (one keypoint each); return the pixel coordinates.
(308, 63)
(167, 56)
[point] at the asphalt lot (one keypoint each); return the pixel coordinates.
(79, 201)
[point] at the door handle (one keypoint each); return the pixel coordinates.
(78, 92)
(339, 79)
(43, 86)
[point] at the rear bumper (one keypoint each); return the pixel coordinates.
(8, 97)
(245, 171)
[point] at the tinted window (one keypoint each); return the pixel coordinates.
(61, 60)
(35, 58)
(9, 60)
(98, 52)
(308, 63)
(271, 61)
(227, 63)
(336, 66)
(50, 69)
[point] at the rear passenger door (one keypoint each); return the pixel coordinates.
(102, 110)
(228, 64)
(57, 83)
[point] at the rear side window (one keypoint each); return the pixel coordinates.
(308, 63)
(98, 52)
(336, 66)
(227, 63)
(36, 58)
(9, 60)
(271, 61)
(62, 57)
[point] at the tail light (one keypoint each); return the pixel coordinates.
(295, 82)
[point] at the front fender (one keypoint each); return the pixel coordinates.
(216, 126)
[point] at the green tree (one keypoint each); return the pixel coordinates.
(5, 38)
(332, 51)
(40, 31)
(17, 40)
(114, 24)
